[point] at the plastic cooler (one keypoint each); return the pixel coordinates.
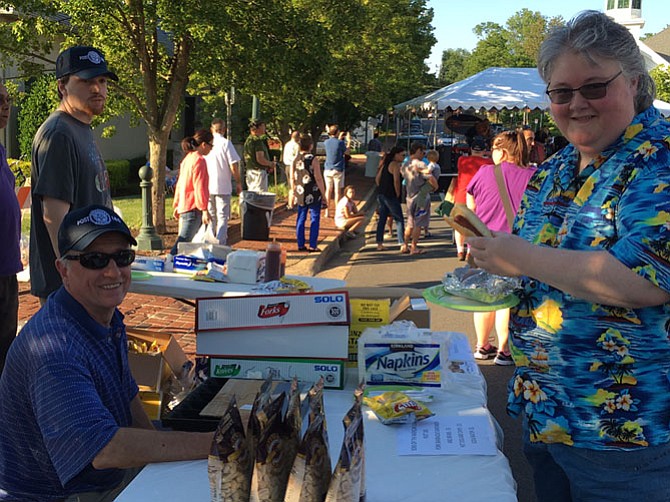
(256, 214)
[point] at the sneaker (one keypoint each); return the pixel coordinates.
(503, 359)
(484, 353)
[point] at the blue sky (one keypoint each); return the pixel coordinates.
(454, 19)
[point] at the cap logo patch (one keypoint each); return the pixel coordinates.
(96, 217)
(93, 57)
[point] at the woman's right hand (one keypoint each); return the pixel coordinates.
(502, 254)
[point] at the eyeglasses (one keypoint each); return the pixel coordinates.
(5, 100)
(97, 261)
(597, 90)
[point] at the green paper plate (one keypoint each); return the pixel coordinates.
(438, 296)
(138, 275)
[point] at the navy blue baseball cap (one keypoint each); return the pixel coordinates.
(84, 62)
(479, 143)
(82, 226)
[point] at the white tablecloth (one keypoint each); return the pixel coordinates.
(182, 286)
(389, 477)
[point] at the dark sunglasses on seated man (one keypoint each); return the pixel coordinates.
(96, 261)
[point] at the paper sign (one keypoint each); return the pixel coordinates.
(448, 435)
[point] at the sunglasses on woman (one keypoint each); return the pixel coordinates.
(96, 261)
(596, 90)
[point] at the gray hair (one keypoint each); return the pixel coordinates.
(593, 34)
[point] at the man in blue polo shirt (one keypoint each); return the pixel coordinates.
(333, 167)
(73, 426)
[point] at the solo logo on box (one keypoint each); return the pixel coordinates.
(323, 367)
(329, 299)
(273, 310)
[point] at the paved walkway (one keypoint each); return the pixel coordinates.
(172, 316)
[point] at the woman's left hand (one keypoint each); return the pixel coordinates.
(502, 254)
(205, 218)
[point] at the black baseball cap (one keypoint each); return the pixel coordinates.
(84, 62)
(479, 143)
(82, 226)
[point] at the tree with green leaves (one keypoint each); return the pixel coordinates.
(336, 64)
(661, 76)
(514, 45)
(308, 61)
(154, 47)
(452, 67)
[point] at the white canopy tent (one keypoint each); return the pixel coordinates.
(493, 89)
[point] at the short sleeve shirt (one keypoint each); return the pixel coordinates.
(484, 188)
(66, 165)
(219, 166)
(252, 145)
(335, 149)
(70, 387)
(590, 375)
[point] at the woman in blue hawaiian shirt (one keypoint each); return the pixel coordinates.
(591, 244)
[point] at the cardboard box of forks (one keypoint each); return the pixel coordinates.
(299, 325)
(153, 357)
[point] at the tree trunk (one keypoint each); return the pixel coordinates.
(158, 146)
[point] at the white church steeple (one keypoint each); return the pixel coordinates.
(627, 13)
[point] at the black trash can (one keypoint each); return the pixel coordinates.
(256, 214)
(446, 161)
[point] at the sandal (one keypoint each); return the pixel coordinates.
(404, 250)
(380, 247)
(303, 249)
(418, 251)
(313, 250)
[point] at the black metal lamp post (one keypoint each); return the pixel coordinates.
(147, 239)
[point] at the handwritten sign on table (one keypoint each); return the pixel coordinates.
(448, 435)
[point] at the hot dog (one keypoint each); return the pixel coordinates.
(466, 222)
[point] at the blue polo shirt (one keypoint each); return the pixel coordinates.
(65, 391)
(335, 149)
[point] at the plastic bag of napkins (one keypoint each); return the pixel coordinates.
(400, 354)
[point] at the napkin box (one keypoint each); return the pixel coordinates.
(245, 267)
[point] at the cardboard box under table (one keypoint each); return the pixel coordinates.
(296, 334)
(151, 370)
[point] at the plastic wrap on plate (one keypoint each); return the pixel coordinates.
(478, 285)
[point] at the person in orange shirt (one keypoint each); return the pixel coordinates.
(191, 194)
(468, 165)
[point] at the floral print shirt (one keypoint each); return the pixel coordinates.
(589, 375)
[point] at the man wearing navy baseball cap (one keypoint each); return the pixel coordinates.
(78, 430)
(67, 169)
(84, 62)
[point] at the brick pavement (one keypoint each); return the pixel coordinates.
(169, 315)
